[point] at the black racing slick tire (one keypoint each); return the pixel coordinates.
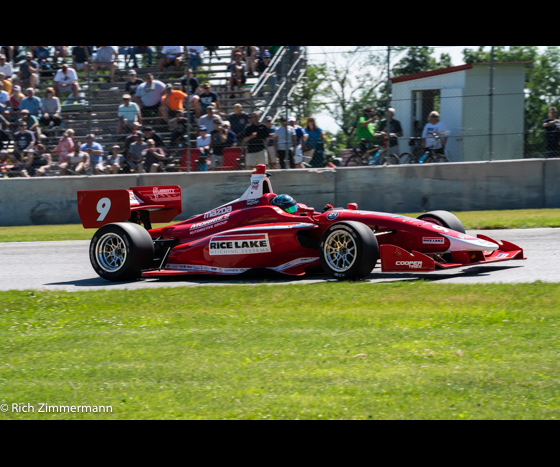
(349, 251)
(119, 252)
(445, 219)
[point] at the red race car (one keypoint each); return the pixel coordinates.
(264, 231)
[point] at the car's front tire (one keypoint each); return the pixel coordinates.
(119, 252)
(349, 251)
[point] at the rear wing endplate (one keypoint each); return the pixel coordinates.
(97, 208)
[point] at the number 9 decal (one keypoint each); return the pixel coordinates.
(103, 208)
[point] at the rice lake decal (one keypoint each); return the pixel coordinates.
(233, 245)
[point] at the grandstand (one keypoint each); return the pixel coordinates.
(96, 110)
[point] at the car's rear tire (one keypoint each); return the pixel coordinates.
(119, 252)
(445, 219)
(349, 251)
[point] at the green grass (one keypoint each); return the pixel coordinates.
(501, 220)
(44, 233)
(485, 220)
(327, 351)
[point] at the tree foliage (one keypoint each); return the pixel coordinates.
(349, 80)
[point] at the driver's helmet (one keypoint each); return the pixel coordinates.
(285, 202)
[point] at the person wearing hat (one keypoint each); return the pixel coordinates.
(23, 141)
(15, 101)
(133, 83)
(203, 143)
(30, 121)
(129, 113)
(149, 133)
(115, 161)
(66, 81)
(136, 153)
(37, 163)
(262, 67)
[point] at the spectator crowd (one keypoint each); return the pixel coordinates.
(153, 119)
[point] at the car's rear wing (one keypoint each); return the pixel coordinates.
(153, 204)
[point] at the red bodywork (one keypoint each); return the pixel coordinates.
(249, 233)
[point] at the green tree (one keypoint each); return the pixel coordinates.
(419, 59)
(542, 85)
(352, 79)
(309, 96)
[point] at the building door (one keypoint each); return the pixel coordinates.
(423, 104)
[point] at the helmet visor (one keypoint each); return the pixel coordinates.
(292, 210)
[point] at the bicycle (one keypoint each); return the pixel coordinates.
(367, 155)
(425, 156)
(416, 154)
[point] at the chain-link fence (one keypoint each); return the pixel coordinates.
(483, 102)
(70, 110)
(444, 103)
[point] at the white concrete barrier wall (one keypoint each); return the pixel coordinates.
(526, 184)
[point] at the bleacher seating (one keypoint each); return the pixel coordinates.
(96, 110)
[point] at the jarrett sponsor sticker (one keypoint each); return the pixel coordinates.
(234, 245)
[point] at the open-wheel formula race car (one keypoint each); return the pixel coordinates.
(264, 231)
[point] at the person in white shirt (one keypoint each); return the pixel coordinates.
(66, 81)
(203, 143)
(434, 128)
(6, 67)
(285, 141)
(171, 55)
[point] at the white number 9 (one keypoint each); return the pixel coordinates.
(103, 208)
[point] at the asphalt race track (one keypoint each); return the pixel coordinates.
(65, 266)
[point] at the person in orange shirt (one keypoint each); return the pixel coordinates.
(172, 103)
(6, 83)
